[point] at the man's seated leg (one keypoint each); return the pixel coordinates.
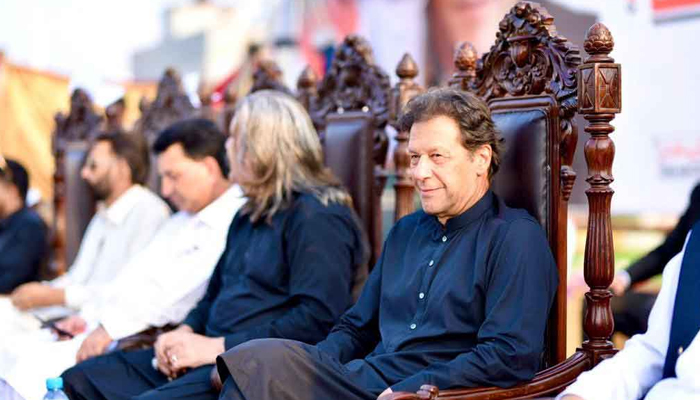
(193, 385)
(131, 375)
(118, 375)
(268, 369)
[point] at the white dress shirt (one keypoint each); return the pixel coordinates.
(638, 368)
(115, 234)
(158, 286)
(165, 280)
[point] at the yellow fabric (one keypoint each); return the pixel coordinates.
(29, 100)
(133, 92)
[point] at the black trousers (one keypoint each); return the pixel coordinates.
(276, 369)
(130, 375)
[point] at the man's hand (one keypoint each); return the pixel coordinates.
(181, 348)
(620, 283)
(74, 325)
(384, 393)
(94, 345)
(35, 294)
(571, 397)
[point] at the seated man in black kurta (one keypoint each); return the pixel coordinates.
(293, 256)
(23, 234)
(459, 297)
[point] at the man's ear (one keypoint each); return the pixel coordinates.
(124, 169)
(213, 166)
(482, 159)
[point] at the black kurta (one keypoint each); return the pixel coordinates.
(291, 278)
(23, 249)
(460, 305)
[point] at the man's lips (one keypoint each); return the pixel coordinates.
(428, 191)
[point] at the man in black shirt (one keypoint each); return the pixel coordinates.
(23, 235)
(459, 297)
(293, 256)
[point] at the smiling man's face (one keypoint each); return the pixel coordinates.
(449, 178)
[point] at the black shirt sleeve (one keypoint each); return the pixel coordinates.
(519, 293)
(320, 251)
(357, 333)
(197, 318)
(22, 254)
(653, 263)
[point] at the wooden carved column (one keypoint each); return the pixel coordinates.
(405, 90)
(599, 101)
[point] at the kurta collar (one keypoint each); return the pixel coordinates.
(211, 214)
(117, 212)
(475, 212)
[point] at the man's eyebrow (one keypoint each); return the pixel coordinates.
(438, 149)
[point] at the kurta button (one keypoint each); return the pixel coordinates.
(413, 326)
(430, 264)
(680, 350)
(421, 295)
(444, 239)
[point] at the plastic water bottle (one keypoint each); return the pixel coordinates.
(54, 387)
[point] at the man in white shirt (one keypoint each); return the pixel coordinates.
(664, 362)
(165, 280)
(128, 216)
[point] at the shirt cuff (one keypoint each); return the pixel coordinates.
(120, 327)
(76, 296)
(625, 278)
(410, 384)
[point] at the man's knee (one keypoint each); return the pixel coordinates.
(151, 395)
(75, 381)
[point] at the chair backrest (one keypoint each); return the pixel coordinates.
(350, 109)
(73, 202)
(529, 79)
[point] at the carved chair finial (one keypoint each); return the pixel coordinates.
(465, 60)
(307, 79)
(268, 75)
(407, 68)
(599, 43)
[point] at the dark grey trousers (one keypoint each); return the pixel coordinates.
(276, 369)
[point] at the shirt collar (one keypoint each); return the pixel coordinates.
(6, 222)
(485, 203)
(117, 212)
(211, 215)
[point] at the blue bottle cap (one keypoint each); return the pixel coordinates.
(54, 383)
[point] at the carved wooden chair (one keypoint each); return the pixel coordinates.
(534, 83)
(170, 105)
(350, 110)
(73, 203)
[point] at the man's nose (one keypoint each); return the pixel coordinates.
(422, 170)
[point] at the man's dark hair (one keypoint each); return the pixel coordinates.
(199, 138)
(131, 148)
(15, 174)
(470, 113)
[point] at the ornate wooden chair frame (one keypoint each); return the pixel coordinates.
(529, 60)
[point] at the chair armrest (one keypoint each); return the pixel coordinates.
(546, 382)
(215, 379)
(142, 340)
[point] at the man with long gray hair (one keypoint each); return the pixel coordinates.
(294, 253)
